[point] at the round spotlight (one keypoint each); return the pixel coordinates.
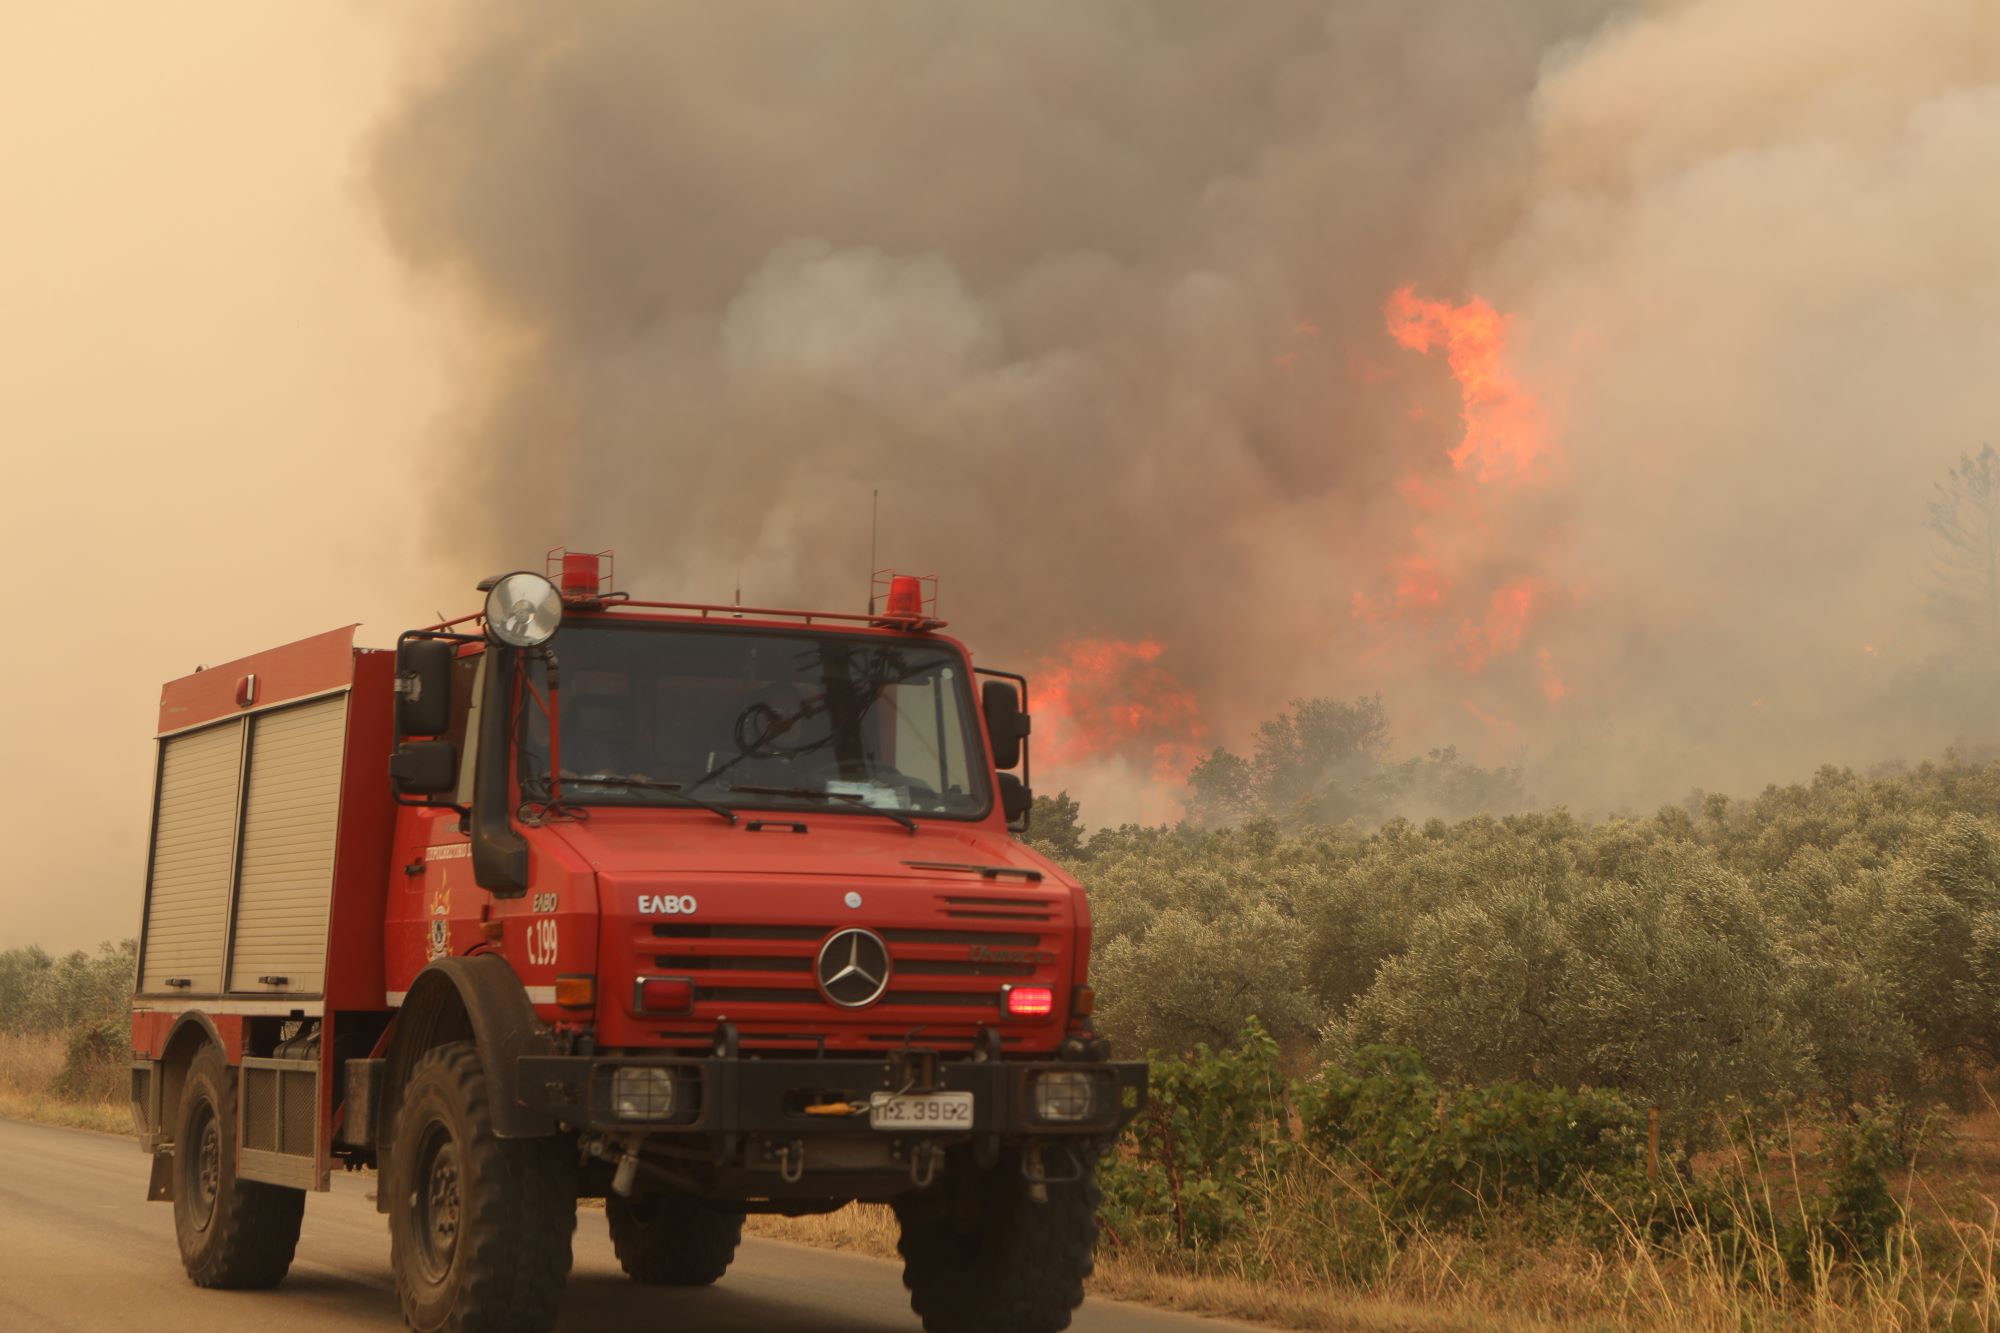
(523, 610)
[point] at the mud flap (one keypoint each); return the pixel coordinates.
(160, 1189)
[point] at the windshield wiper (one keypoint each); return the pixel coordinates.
(813, 793)
(672, 789)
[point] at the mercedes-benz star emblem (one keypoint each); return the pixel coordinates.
(853, 968)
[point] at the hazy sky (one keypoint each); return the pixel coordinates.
(212, 385)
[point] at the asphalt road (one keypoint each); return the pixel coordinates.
(81, 1249)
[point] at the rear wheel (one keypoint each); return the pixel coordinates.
(479, 1226)
(232, 1233)
(672, 1240)
(980, 1256)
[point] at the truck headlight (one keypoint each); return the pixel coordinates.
(1065, 1096)
(641, 1093)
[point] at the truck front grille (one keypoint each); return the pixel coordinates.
(951, 972)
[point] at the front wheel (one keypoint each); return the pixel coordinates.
(232, 1233)
(479, 1226)
(672, 1240)
(980, 1256)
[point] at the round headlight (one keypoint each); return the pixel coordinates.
(523, 610)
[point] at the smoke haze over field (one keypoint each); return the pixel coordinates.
(1103, 298)
(211, 385)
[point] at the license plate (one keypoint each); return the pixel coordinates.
(920, 1110)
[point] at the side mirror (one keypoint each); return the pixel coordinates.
(1015, 802)
(424, 768)
(423, 686)
(1005, 722)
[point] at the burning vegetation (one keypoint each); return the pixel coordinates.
(1571, 375)
(1100, 699)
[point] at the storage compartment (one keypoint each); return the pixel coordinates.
(256, 759)
(194, 850)
(285, 881)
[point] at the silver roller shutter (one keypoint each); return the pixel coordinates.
(289, 817)
(194, 835)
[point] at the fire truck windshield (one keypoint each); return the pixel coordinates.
(674, 715)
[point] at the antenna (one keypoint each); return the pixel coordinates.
(874, 521)
(739, 583)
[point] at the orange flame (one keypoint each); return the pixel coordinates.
(1499, 634)
(1451, 595)
(1502, 729)
(1504, 435)
(1111, 698)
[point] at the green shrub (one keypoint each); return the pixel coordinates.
(1216, 1125)
(39, 993)
(1445, 1155)
(96, 1065)
(1820, 944)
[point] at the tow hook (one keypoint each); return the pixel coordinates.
(924, 1161)
(792, 1162)
(627, 1173)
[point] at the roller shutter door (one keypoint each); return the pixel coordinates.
(194, 837)
(289, 818)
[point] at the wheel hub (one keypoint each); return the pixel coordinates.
(204, 1175)
(436, 1201)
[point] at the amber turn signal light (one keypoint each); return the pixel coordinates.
(574, 992)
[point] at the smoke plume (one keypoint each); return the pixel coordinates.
(1179, 334)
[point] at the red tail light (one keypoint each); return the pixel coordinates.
(1030, 1001)
(665, 995)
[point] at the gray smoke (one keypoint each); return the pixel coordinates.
(1093, 294)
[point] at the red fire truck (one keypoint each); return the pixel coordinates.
(703, 910)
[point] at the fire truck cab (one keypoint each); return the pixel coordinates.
(702, 910)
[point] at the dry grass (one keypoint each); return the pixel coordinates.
(870, 1229)
(1942, 1273)
(29, 1064)
(859, 1228)
(28, 1069)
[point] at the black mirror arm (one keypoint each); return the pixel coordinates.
(499, 852)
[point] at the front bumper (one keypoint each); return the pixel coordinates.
(770, 1096)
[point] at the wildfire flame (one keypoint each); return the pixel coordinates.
(1111, 698)
(1453, 597)
(1504, 435)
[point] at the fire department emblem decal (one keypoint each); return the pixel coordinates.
(853, 968)
(440, 937)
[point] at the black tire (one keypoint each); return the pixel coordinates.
(979, 1256)
(479, 1226)
(232, 1233)
(672, 1240)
